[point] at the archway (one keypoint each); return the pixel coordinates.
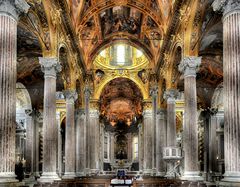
(121, 112)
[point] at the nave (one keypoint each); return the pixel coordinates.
(116, 91)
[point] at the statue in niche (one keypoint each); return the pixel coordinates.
(143, 76)
(121, 154)
(98, 76)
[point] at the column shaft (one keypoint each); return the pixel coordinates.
(80, 139)
(189, 67)
(161, 141)
(94, 141)
(231, 69)
(30, 143)
(70, 149)
(9, 13)
(147, 130)
(50, 67)
(59, 152)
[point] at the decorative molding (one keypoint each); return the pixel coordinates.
(171, 95)
(171, 30)
(59, 95)
(14, 8)
(154, 91)
(50, 66)
(226, 6)
(70, 95)
(190, 65)
(147, 105)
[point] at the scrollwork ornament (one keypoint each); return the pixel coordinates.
(226, 6)
(70, 95)
(14, 7)
(190, 65)
(170, 95)
(50, 66)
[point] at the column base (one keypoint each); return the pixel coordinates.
(154, 172)
(80, 174)
(147, 172)
(94, 171)
(37, 174)
(161, 174)
(192, 176)
(30, 181)
(87, 172)
(231, 177)
(48, 177)
(69, 175)
(8, 177)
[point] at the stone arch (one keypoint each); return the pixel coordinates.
(141, 87)
(23, 99)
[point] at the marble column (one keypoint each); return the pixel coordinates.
(154, 95)
(59, 151)
(170, 95)
(129, 146)
(50, 67)
(101, 147)
(38, 120)
(30, 144)
(80, 142)
(70, 149)
(147, 144)
(140, 147)
(161, 141)
(231, 69)
(188, 67)
(9, 14)
(87, 95)
(94, 141)
(212, 145)
(112, 147)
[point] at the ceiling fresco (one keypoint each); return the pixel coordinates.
(137, 21)
(121, 101)
(88, 27)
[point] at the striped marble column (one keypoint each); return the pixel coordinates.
(170, 95)
(147, 141)
(50, 67)
(87, 95)
(94, 141)
(231, 69)
(188, 67)
(161, 141)
(154, 95)
(29, 144)
(9, 13)
(70, 141)
(80, 142)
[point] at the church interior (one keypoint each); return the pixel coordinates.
(100, 93)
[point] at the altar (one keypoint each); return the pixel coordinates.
(121, 164)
